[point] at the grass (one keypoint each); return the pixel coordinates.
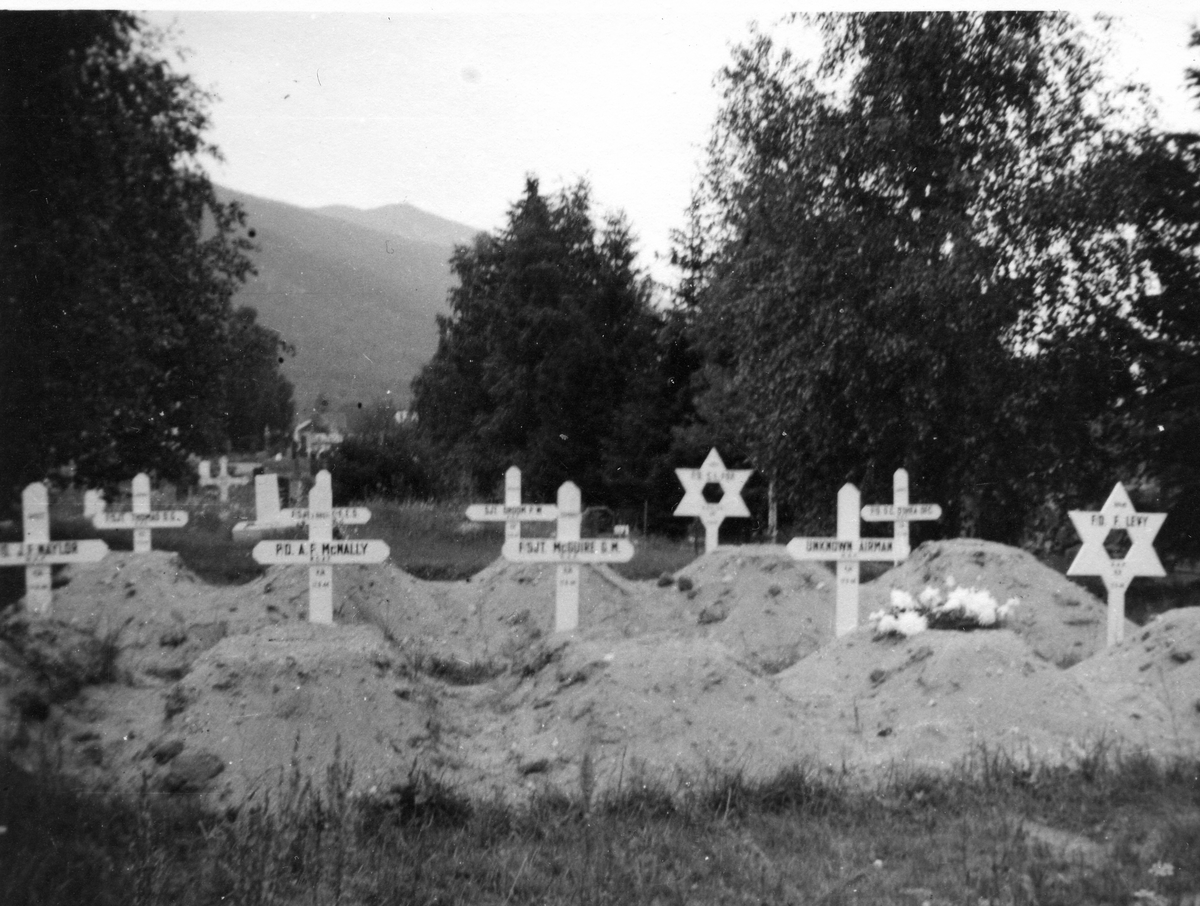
(989, 830)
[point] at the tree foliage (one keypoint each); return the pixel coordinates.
(117, 262)
(935, 249)
(549, 358)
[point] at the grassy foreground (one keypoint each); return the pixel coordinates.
(1108, 829)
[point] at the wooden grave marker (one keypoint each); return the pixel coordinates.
(222, 480)
(1117, 514)
(93, 503)
(320, 552)
(568, 550)
(37, 553)
(848, 549)
(143, 519)
(512, 513)
(268, 514)
(711, 515)
(900, 512)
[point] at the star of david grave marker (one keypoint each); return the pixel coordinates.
(37, 553)
(222, 480)
(320, 552)
(512, 513)
(568, 550)
(712, 513)
(848, 549)
(142, 520)
(900, 512)
(1140, 559)
(269, 515)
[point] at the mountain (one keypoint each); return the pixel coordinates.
(355, 292)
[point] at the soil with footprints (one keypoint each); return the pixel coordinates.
(146, 675)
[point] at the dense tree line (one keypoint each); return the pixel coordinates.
(120, 348)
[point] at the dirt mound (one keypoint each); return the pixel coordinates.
(652, 706)
(934, 697)
(1060, 620)
(767, 608)
(1150, 684)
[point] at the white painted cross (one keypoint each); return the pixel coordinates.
(142, 519)
(568, 550)
(713, 471)
(269, 515)
(37, 552)
(513, 512)
(93, 503)
(320, 551)
(848, 549)
(901, 512)
(223, 480)
(1093, 560)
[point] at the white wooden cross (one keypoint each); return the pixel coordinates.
(712, 471)
(848, 549)
(320, 551)
(1093, 560)
(268, 514)
(223, 480)
(142, 519)
(513, 512)
(901, 512)
(568, 550)
(37, 552)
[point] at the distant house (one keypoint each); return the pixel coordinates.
(312, 437)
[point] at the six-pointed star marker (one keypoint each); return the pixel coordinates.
(713, 471)
(1093, 527)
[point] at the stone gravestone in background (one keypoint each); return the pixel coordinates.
(848, 549)
(1116, 515)
(320, 552)
(568, 550)
(37, 553)
(901, 512)
(142, 519)
(223, 481)
(711, 515)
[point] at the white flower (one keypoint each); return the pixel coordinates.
(902, 600)
(950, 583)
(909, 623)
(1007, 608)
(1162, 869)
(930, 597)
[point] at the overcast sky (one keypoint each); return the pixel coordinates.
(448, 107)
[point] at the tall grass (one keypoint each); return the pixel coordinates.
(992, 829)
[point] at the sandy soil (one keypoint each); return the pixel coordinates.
(146, 674)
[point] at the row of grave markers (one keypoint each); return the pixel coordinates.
(567, 550)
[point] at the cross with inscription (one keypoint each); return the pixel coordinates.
(37, 553)
(900, 512)
(268, 514)
(320, 552)
(712, 471)
(568, 550)
(1116, 515)
(142, 519)
(513, 512)
(848, 549)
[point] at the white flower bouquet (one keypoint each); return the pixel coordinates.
(955, 608)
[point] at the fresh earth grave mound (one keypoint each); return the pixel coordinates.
(767, 608)
(1061, 621)
(933, 698)
(1150, 684)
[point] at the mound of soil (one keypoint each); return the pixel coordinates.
(1061, 621)
(1150, 684)
(933, 698)
(224, 690)
(765, 607)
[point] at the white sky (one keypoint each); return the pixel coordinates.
(448, 107)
